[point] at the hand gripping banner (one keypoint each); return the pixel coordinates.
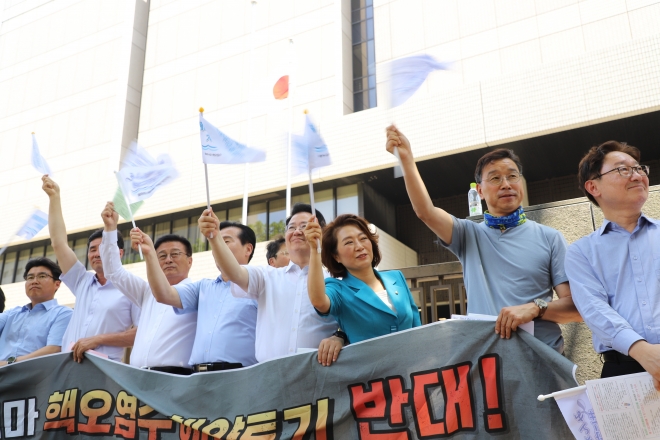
(456, 380)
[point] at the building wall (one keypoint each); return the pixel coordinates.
(521, 69)
(70, 71)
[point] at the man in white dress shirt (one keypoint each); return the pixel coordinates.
(164, 339)
(286, 319)
(102, 317)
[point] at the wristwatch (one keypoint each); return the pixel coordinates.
(11, 360)
(340, 334)
(542, 305)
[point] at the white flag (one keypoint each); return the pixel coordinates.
(38, 161)
(37, 221)
(270, 92)
(217, 147)
(580, 417)
(141, 175)
(308, 151)
(406, 75)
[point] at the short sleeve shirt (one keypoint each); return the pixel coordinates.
(98, 310)
(510, 268)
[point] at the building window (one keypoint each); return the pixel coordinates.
(364, 55)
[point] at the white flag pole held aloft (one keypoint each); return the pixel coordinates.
(309, 151)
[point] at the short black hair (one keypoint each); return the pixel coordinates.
(55, 270)
(173, 237)
(493, 156)
(304, 207)
(273, 248)
(246, 236)
(99, 234)
(2, 300)
(592, 162)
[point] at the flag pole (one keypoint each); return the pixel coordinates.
(249, 116)
(130, 211)
(288, 154)
(206, 178)
(311, 200)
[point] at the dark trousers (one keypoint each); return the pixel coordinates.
(616, 364)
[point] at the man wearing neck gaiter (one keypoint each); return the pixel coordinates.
(510, 264)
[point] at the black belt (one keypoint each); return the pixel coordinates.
(616, 357)
(216, 366)
(173, 370)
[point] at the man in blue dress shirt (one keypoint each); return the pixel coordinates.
(224, 339)
(615, 271)
(35, 329)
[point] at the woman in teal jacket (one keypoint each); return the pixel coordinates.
(366, 303)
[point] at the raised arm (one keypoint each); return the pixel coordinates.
(132, 286)
(66, 258)
(209, 226)
(438, 220)
(315, 279)
(160, 286)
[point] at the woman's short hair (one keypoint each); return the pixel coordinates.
(592, 162)
(329, 248)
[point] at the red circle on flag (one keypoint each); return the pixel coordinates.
(281, 88)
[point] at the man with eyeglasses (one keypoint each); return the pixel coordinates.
(225, 332)
(615, 271)
(164, 339)
(103, 319)
(276, 253)
(35, 329)
(286, 320)
(510, 264)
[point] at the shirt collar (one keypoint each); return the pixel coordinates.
(610, 225)
(216, 281)
(94, 280)
(294, 267)
(46, 305)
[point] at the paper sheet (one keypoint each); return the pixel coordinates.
(627, 407)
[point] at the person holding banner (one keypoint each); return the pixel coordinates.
(615, 271)
(286, 320)
(510, 264)
(225, 332)
(164, 339)
(366, 303)
(35, 329)
(103, 316)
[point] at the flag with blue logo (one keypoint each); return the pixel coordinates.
(408, 74)
(38, 161)
(141, 175)
(37, 221)
(308, 151)
(217, 147)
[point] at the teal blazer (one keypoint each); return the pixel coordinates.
(362, 315)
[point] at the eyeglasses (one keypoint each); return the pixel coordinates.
(39, 277)
(292, 228)
(642, 170)
(511, 178)
(173, 255)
